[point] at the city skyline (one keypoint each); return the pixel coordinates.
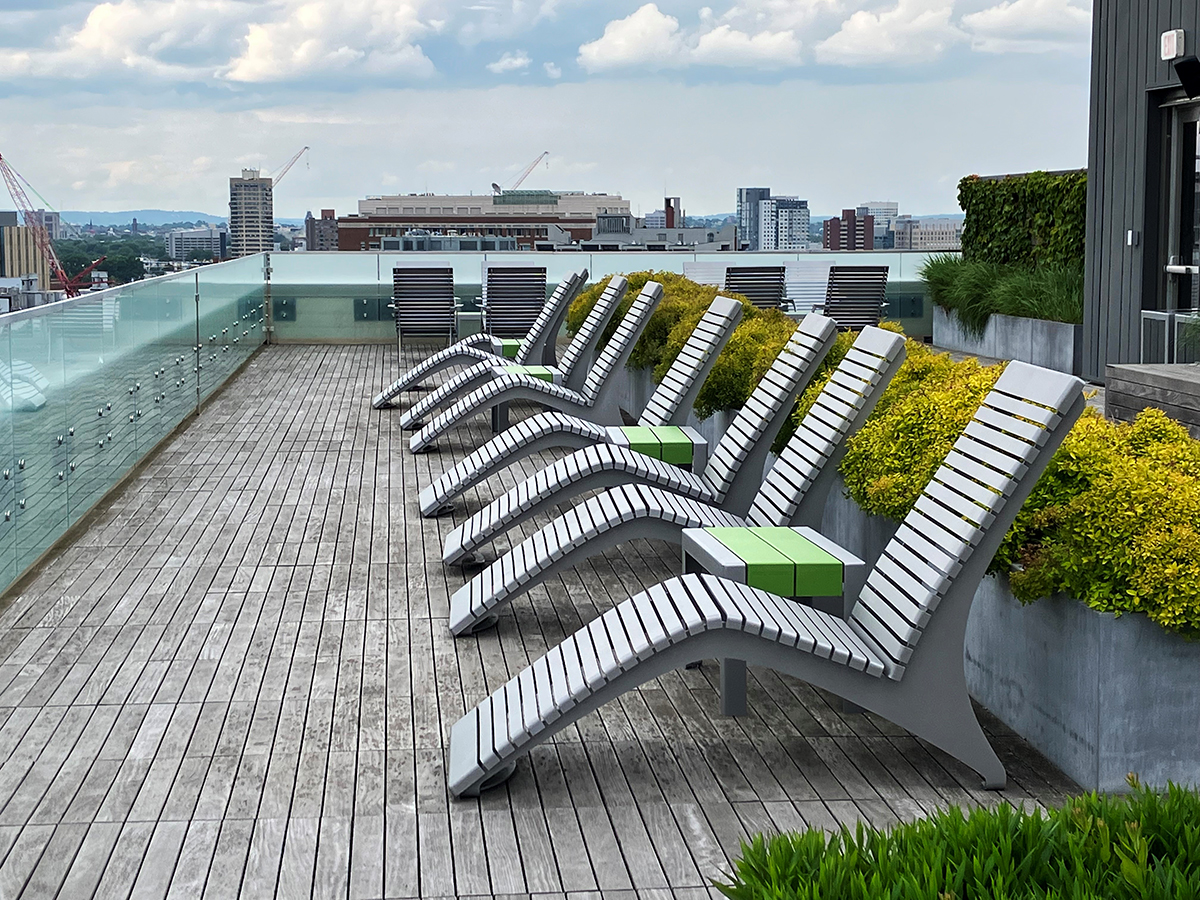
(158, 104)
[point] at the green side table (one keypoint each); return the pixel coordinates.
(791, 562)
(680, 446)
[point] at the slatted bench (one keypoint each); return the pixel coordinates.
(793, 492)
(575, 363)
(898, 654)
(669, 405)
(536, 346)
(597, 400)
(856, 295)
(513, 297)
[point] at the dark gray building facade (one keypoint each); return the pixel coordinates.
(1143, 226)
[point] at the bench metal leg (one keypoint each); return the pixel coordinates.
(500, 417)
(733, 687)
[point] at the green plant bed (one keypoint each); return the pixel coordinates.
(1144, 845)
(1114, 521)
(750, 351)
(974, 290)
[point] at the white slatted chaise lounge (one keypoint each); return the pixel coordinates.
(731, 478)
(596, 400)
(667, 408)
(570, 372)
(537, 348)
(793, 493)
(899, 654)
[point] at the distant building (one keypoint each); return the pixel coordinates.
(656, 219)
(530, 217)
(52, 222)
(783, 224)
(440, 243)
(852, 231)
(673, 212)
(212, 242)
(928, 234)
(884, 212)
(251, 214)
(9, 218)
(19, 254)
(748, 215)
(322, 233)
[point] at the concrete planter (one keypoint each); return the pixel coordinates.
(1099, 696)
(1054, 345)
(636, 386)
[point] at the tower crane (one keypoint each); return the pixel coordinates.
(516, 184)
(291, 162)
(41, 237)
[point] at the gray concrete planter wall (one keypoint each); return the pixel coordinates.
(635, 387)
(1099, 696)
(1055, 345)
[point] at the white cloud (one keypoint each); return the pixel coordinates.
(510, 62)
(552, 71)
(651, 39)
(911, 33)
(371, 36)
(1030, 26)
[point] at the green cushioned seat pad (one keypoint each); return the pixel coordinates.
(665, 442)
(782, 561)
(510, 347)
(543, 372)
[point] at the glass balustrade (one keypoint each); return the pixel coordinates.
(89, 386)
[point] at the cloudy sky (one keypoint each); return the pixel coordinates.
(154, 103)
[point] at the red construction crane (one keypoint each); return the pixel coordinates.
(288, 165)
(41, 237)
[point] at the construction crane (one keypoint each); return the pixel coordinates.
(291, 162)
(41, 237)
(516, 184)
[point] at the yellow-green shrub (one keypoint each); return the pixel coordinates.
(1114, 521)
(741, 365)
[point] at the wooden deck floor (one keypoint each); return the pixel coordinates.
(239, 682)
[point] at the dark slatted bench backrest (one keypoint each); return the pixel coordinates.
(855, 296)
(513, 296)
(764, 286)
(423, 300)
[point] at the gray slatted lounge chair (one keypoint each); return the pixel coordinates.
(899, 653)
(537, 348)
(793, 493)
(855, 295)
(731, 478)
(669, 405)
(596, 400)
(572, 370)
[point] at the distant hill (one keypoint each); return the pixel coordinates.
(144, 216)
(152, 217)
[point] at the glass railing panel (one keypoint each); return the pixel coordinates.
(42, 409)
(230, 312)
(8, 525)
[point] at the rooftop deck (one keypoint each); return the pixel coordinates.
(239, 680)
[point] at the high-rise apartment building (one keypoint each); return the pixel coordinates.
(783, 224)
(322, 233)
(251, 214)
(852, 231)
(19, 254)
(928, 234)
(211, 243)
(748, 200)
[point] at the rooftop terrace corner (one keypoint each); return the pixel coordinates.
(238, 680)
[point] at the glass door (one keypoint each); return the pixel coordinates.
(1183, 231)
